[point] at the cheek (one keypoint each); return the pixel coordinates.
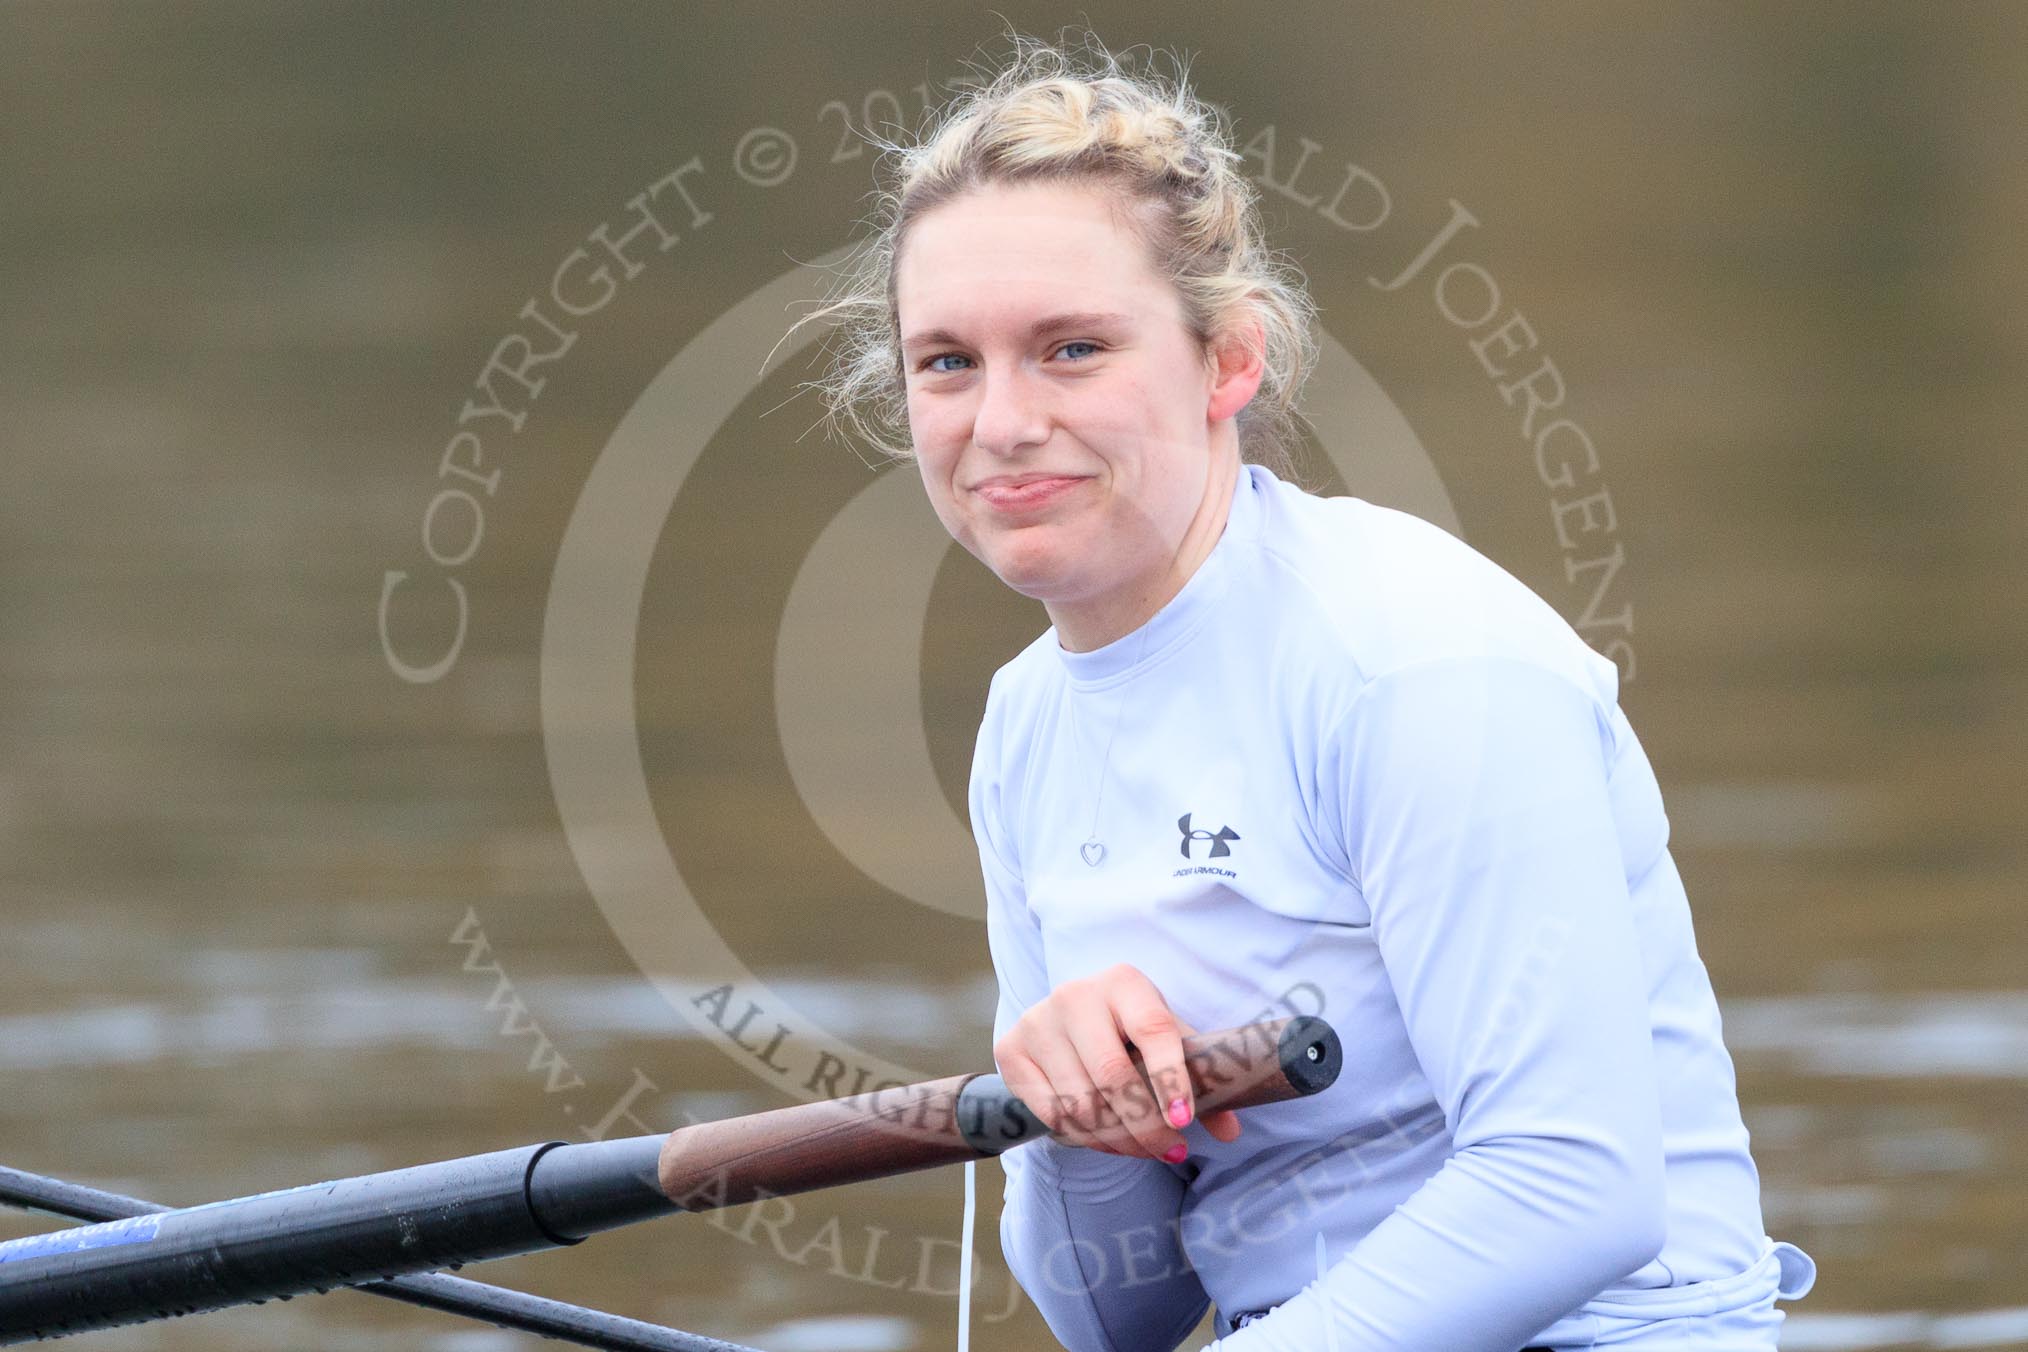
(1130, 423)
(933, 433)
(935, 471)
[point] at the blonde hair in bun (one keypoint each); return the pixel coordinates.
(1075, 112)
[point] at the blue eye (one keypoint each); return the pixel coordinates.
(930, 363)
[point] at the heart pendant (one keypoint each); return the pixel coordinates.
(1093, 852)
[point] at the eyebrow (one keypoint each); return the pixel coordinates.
(1081, 319)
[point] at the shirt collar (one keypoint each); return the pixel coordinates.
(1187, 609)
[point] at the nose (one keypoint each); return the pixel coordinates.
(1012, 413)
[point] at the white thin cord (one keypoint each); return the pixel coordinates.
(965, 1257)
(1330, 1323)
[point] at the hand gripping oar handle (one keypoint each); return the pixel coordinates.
(909, 1127)
(378, 1226)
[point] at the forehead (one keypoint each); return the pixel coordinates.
(1004, 255)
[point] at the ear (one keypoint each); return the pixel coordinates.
(1237, 368)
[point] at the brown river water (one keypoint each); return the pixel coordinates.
(270, 912)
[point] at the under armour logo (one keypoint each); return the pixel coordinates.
(1221, 839)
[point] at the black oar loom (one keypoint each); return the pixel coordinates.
(377, 1227)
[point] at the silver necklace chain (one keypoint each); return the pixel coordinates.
(1093, 850)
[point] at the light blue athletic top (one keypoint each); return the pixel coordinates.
(1362, 772)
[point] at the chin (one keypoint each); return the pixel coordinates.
(1037, 572)
(1035, 584)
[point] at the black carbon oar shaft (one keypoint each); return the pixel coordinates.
(473, 1300)
(515, 1310)
(356, 1231)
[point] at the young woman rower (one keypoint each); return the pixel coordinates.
(1282, 753)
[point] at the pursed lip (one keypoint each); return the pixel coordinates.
(1017, 492)
(1019, 480)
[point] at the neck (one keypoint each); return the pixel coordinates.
(1093, 622)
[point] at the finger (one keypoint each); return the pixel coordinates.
(1026, 1082)
(1084, 1035)
(1133, 1120)
(1223, 1124)
(1076, 1105)
(1157, 1034)
(1095, 1030)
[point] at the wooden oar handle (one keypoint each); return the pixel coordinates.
(909, 1127)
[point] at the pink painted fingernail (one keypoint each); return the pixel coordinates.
(1177, 1154)
(1179, 1113)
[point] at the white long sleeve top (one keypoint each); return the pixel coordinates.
(1358, 770)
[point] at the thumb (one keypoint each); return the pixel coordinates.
(1223, 1125)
